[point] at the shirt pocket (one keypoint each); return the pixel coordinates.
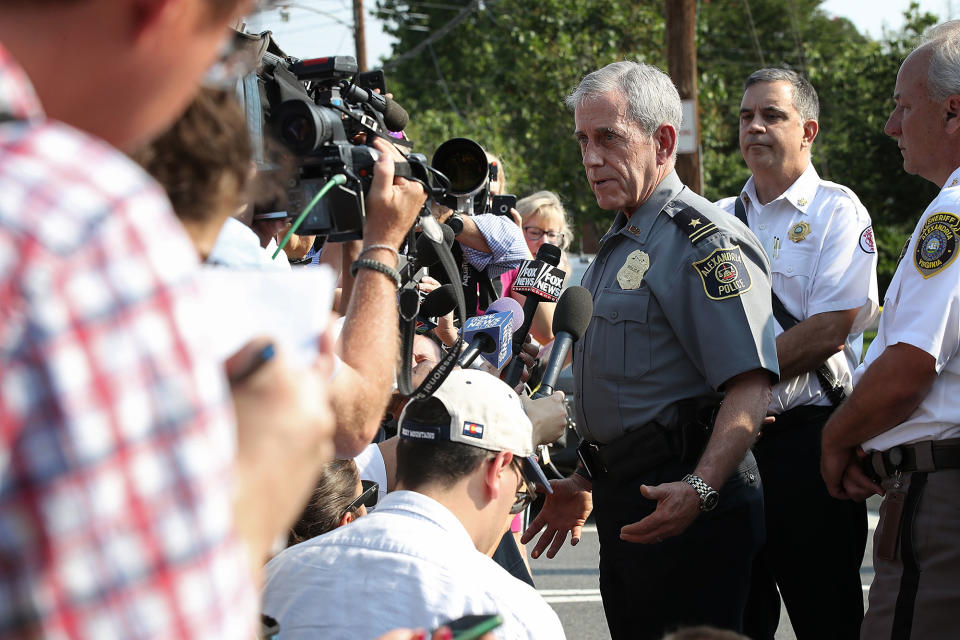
(620, 341)
(795, 259)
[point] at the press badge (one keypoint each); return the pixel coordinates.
(723, 273)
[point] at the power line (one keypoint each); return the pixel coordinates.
(753, 32)
(439, 33)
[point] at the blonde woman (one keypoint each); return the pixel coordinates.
(543, 220)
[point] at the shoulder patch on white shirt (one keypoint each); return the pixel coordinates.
(867, 242)
(937, 243)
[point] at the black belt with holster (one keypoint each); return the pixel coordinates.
(651, 445)
(928, 455)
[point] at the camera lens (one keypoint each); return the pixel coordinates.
(464, 162)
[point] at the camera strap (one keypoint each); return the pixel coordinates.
(828, 382)
(408, 319)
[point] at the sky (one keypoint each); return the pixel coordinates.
(317, 28)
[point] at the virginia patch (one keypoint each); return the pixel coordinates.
(723, 273)
(867, 243)
(473, 429)
(937, 243)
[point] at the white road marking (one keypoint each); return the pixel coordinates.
(567, 596)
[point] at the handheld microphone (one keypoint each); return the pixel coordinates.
(438, 302)
(570, 320)
(490, 333)
(539, 280)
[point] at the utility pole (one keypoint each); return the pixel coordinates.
(682, 63)
(358, 35)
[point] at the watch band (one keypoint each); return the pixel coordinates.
(708, 495)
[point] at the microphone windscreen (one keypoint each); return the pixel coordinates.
(549, 253)
(449, 234)
(395, 116)
(439, 302)
(573, 312)
(507, 303)
(426, 251)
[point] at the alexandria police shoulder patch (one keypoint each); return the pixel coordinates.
(723, 273)
(937, 243)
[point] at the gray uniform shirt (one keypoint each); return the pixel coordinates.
(690, 310)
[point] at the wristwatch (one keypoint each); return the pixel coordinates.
(708, 495)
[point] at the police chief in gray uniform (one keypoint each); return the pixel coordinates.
(681, 319)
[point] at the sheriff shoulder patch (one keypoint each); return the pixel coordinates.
(937, 243)
(723, 273)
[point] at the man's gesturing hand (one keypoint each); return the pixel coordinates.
(566, 509)
(678, 505)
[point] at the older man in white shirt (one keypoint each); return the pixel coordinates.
(463, 467)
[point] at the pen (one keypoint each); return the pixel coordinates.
(776, 247)
(263, 356)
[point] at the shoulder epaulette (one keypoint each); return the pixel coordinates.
(694, 224)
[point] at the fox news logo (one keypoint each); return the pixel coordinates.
(539, 278)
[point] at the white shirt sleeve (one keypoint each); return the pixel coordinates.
(846, 271)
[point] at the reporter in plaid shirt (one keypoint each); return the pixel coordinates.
(128, 492)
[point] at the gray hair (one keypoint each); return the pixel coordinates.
(652, 99)
(943, 77)
(805, 99)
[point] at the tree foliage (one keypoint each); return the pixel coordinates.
(500, 74)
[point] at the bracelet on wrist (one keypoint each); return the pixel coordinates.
(374, 265)
(385, 247)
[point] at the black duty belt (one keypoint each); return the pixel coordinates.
(650, 446)
(929, 455)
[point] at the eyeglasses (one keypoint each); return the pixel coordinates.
(368, 498)
(535, 233)
(526, 492)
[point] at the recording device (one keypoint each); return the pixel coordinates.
(501, 205)
(539, 280)
(372, 81)
(464, 163)
(316, 110)
(490, 334)
(471, 627)
(570, 320)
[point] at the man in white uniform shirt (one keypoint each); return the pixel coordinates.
(463, 467)
(904, 411)
(819, 239)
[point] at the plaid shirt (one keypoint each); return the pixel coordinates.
(116, 436)
(507, 246)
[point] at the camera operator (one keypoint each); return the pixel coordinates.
(488, 246)
(121, 457)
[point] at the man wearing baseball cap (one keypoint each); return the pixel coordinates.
(464, 464)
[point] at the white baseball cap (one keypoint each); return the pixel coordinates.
(484, 412)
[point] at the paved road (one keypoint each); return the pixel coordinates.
(570, 583)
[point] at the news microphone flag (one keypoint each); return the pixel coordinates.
(491, 335)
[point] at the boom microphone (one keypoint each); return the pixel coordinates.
(539, 280)
(570, 320)
(394, 116)
(490, 333)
